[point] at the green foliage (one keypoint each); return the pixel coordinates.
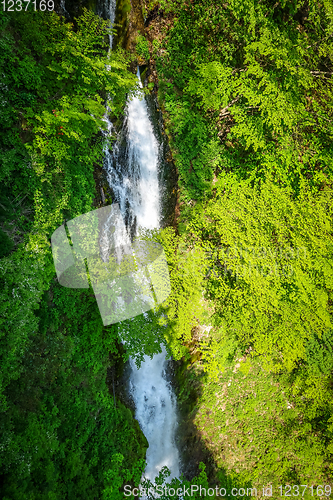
(156, 45)
(166, 5)
(184, 306)
(61, 434)
(319, 353)
(49, 146)
(177, 486)
(142, 335)
(268, 354)
(271, 274)
(266, 432)
(252, 83)
(247, 90)
(142, 47)
(6, 244)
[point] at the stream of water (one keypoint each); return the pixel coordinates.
(132, 172)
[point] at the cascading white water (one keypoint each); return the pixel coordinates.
(133, 178)
(132, 172)
(156, 413)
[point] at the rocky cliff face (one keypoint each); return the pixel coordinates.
(130, 24)
(73, 8)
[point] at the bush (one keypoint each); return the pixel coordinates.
(142, 47)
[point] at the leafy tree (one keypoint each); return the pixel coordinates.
(271, 272)
(246, 88)
(61, 432)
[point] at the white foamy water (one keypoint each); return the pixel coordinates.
(155, 411)
(143, 155)
(132, 168)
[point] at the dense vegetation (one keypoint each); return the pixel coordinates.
(246, 87)
(62, 435)
(246, 90)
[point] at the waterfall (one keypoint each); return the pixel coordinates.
(132, 172)
(156, 413)
(107, 9)
(132, 168)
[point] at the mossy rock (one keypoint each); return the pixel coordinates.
(121, 23)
